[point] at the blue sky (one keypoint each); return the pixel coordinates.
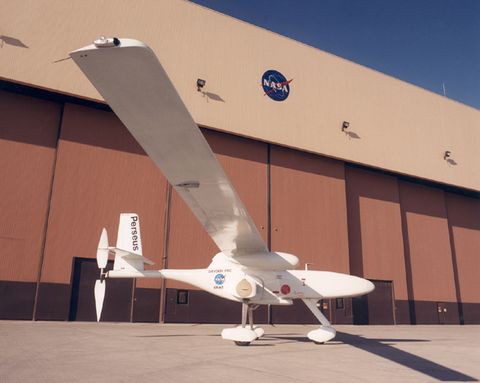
(424, 42)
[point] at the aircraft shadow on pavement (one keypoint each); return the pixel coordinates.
(379, 347)
(383, 348)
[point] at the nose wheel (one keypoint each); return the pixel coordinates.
(326, 332)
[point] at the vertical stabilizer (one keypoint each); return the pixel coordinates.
(128, 237)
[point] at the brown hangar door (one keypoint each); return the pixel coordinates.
(377, 307)
(117, 306)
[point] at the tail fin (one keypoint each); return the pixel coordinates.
(128, 237)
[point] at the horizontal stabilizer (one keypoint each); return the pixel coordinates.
(125, 260)
(130, 256)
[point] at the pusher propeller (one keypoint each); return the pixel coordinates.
(100, 284)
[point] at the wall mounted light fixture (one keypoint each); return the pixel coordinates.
(200, 84)
(345, 125)
(447, 155)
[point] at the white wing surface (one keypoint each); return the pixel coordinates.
(135, 85)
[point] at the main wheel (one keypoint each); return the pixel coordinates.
(238, 343)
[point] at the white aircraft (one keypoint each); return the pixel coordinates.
(129, 76)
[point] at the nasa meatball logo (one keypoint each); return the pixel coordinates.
(275, 85)
(219, 279)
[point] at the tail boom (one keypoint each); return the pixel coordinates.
(135, 274)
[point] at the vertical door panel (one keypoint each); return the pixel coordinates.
(464, 225)
(308, 218)
(428, 252)
(308, 208)
(28, 140)
(375, 232)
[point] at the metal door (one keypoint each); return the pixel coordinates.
(380, 303)
(377, 307)
(442, 312)
(118, 297)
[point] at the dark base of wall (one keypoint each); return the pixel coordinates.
(17, 299)
(146, 305)
(296, 313)
(419, 312)
(426, 312)
(471, 313)
(203, 307)
(341, 316)
(17, 302)
(402, 312)
(53, 302)
(360, 310)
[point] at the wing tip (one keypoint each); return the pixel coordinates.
(123, 43)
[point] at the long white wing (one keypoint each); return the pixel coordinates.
(135, 85)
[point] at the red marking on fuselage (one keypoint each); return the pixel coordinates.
(285, 289)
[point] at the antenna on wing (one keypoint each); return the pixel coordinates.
(100, 284)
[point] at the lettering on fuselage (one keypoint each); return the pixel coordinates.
(134, 232)
(219, 270)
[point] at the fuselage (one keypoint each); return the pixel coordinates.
(268, 287)
(236, 282)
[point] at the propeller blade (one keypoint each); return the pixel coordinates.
(99, 292)
(102, 250)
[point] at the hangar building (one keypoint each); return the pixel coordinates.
(394, 197)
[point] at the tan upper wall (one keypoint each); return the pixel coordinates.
(401, 127)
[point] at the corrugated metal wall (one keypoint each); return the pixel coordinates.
(101, 171)
(418, 239)
(28, 140)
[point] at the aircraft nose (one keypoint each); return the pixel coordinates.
(368, 286)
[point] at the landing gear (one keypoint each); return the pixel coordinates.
(258, 330)
(243, 335)
(326, 332)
